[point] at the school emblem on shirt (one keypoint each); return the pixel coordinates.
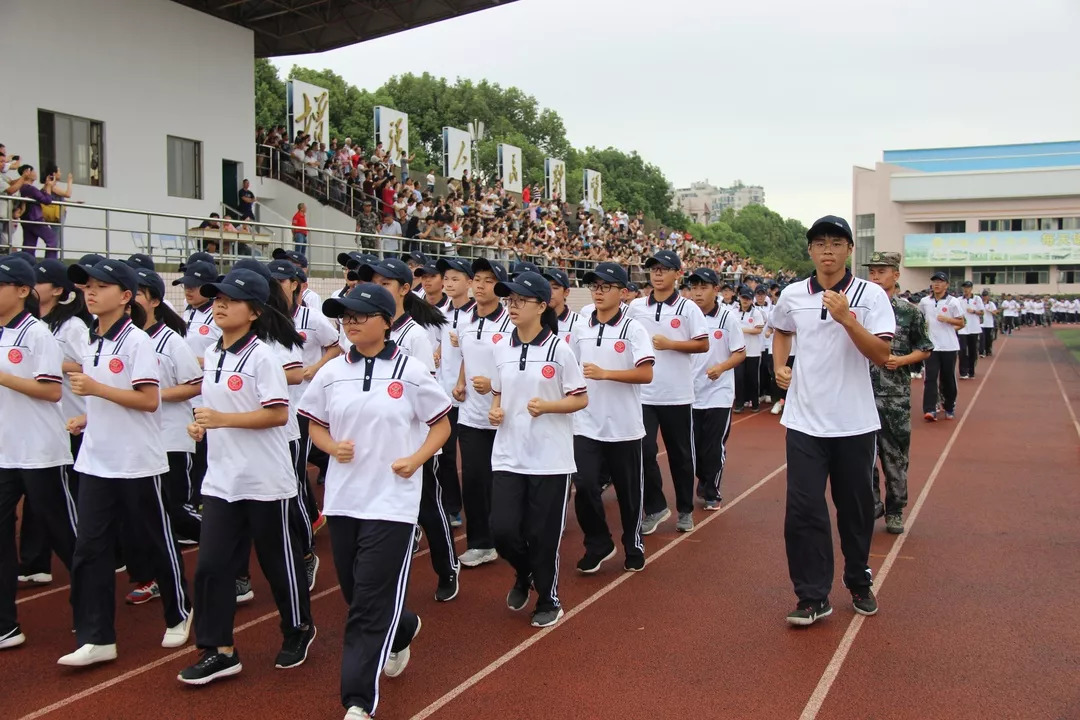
(14, 356)
(303, 336)
(548, 371)
(235, 383)
(116, 365)
(204, 329)
(395, 389)
(496, 338)
(568, 338)
(718, 334)
(620, 347)
(675, 322)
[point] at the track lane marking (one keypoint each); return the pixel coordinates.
(1061, 387)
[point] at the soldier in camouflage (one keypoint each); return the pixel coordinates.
(367, 222)
(892, 391)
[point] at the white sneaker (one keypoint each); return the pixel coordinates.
(356, 713)
(178, 636)
(395, 664)
(36, 578)
(777, 407)
(89, 655)
(12, 638)
(474, 557)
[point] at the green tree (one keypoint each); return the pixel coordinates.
(269, 95)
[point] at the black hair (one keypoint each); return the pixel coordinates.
(295, 293)
(32, 304)
(424, 313)
(72, 305)
(166, 315)
(272, 324)
(549, 320)
(135, 310)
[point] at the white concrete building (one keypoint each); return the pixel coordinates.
(705, 203)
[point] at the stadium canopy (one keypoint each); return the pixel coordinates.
(298, 27)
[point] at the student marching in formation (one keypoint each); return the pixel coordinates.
(1010, 313)
(677, 328)
(430, 279)
(250, 482)
(560, 293)
(308, 297)
(63, 310)
(714, 385)
(412, 318)
(617, 356)
(990, 312)
(752, 319)
(892, 392)
(763, 304)
(488, 323)
(944, 316)
(971, 332)
(843, 324)
(120, 465)
(34, 453)
(456, 280)
(416, 261)
(536, 383)
(380, 416)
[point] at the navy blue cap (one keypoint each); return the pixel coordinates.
(23, 255)
(556, 275)
(939, 276)
(391, 268)
(114, 272)
(523, 266)
(150, 279)
(608, 272)
(429, 269)
(967, 283)
(830, 225)
(726, 286)
(705, 275)
(364, 299)
(760, 290)
(90, 259)
(255, 266)
(301, 275)
(493, 267)
(282, 270)
(353, 258)
(55, 273)
(527, 284)
(141, 260)
(239, 285)
(667, 258)
(745, 292)
(16, 270)
(198, 257)
(459, 264)
(197, 273)
(416, 256)
(633, 287)
(296, 257)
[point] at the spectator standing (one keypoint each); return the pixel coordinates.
(246, 202)
(34, 215)
(300, 232)
(391, 230)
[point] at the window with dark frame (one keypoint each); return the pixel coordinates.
(74, 144)
(184, 167)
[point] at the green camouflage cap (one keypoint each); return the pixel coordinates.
(889, 259)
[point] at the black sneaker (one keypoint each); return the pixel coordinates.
(546, 618)
(294, 647)
(447, 590)
(212, 666)
(311, 569)
(634, 564)
(864, 601)
(592, 561)
(518, 597)
(417, 534)
(808, 612)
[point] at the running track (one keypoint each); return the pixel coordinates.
(977, 620)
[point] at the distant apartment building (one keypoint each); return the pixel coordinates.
(705, 203)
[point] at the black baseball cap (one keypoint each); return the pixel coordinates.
(416, 256)
(556, 275)
(608, 272)
(25, 256)
(197, 273)
(354, 259)
(239, 285)
(760, 290)
(726, 286)
(459, 264)
(364, 299)
(745, 292)
(967, 283)
(198, 257)
(939, 276)
(493, 267)
(632, 287)
(90, 259)
(150, 279)
(985, 292)
(829, 225)
(526, 284)
(705, 275)
(297, 258)
(391, 268)
(255, 266)
(282, 270)
(114, 272)
(429, 269)
(17, 271)
(55, 273)
(667, 258)
(141, 260)
(523, 266)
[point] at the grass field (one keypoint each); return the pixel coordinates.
(1071, 338)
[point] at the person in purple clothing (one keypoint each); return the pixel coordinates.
(32, 217)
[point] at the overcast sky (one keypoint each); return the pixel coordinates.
(787, 94)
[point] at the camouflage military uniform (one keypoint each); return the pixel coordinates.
(892, 392)
(367, 223)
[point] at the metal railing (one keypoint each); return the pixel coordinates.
(349, 197)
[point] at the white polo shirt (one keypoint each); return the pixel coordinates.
(71, 335)
(679, 319)
(318, 335)
(766, 341)
(972, 322)
(831, 394)
(309, 298)
(614, 410)
(725, 338)
(177, 365)
(202, 331)
(942, 335)
(755, 317)
(246, 464)
(568, 320)
(988, 316)
(290, 359)
(450, 362)
(435, 331)
(31, 431)
(119, 442)
(414, 340)
(385, 406)
(1010, 308)
(477, 340)
(547, 369)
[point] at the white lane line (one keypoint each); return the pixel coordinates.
(1061, 387)
(541, 634)
(135, 672)
(832, 670)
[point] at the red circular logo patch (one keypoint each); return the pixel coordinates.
(303, 336)
(395, 389)
(14, 356)
(204, 329)
(675, 322)
(235, 383)
(719, 334)
(853, 314)
(496, 338)
(548, 371)
(620, 347)
(567, 338)
(116, 365)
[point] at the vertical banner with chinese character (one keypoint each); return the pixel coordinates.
(392, 130)
(554, 178)
(593, 191)
(510, 167)
(308, 109)
(457, 152)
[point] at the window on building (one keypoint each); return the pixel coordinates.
(952, 226)
(989, 275)
(956, 275)
(1069, 274)
(1027, 275)
(864, 242)
(1070, 223)
(184, 167)
(74, 144)
(1049, 223)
